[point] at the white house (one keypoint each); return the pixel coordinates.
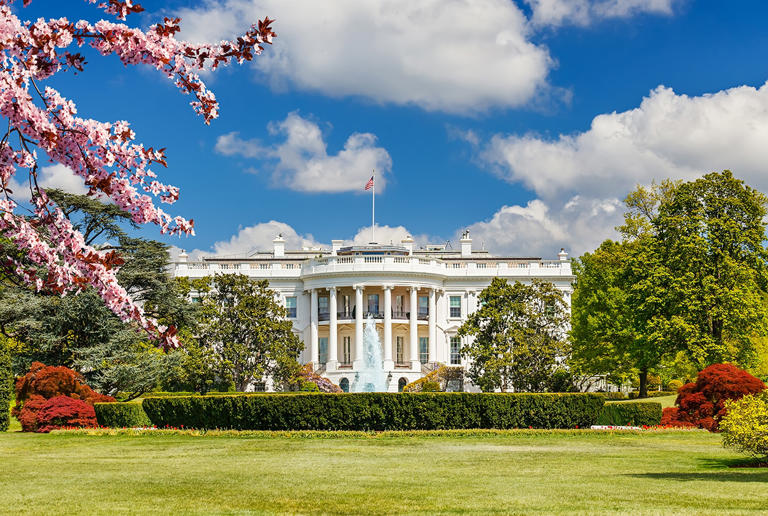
(419, 298)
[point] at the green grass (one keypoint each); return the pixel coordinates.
(521, 472)
(666, 401)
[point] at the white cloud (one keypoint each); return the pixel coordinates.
(667, 136)
(556, 13)
(49, 177)
(303, 162)
(457, 56)
(258, 237)
(387, 235)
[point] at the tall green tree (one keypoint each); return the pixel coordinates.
(518, 336)
(248, 331)
(686, 284)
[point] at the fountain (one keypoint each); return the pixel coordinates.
(371, 377)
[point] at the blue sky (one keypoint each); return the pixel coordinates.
(526, 122)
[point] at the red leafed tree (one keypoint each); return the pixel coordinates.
(65, 412)
(43, 383)
(702, 404)
(55, 258)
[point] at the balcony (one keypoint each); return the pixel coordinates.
(350, 316)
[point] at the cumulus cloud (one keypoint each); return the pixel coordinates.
(301, 161)
(556, 13)
(579, 179)
(388, 235)
(455, 56)
(258, 237)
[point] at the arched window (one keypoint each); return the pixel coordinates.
(402, 382)
(344, 384)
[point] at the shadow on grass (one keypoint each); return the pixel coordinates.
(721, 470)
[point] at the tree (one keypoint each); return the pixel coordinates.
(248, 332)
(518, 336)
(79, 331)
(709, 248)
(686, 286)
(6, 384)
(105, 155)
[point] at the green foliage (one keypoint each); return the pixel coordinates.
(689, 277)
(674, 385)
(6, 385)
(247, 332)
(517, 336)
(78, 331)
(646, 413)
(376, 411)
(652, 394)
(121, 415)
(562, 380)
(613, 395)
(745, 425)
(442, 379)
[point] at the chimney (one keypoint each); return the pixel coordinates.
(279, 246)
(335, 246)
(408, 243)
(466, 244)
(183, 256)
(562, 254)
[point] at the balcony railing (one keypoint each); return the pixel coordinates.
(347, 316)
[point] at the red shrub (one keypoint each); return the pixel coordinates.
(702, 403)
(62, 412)
(43, 383)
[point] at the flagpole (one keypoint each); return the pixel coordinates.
(373, 208)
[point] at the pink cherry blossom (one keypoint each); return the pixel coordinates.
(105, 154)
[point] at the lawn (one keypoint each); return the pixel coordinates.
(518, 472)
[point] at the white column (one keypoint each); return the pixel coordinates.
(314, 352)
(432, 325)
(389, 365)
(333, 355)
(358, 361)
(414, 338)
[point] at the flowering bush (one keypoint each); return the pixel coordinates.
(703, 403)
(65, 412)
(43, 383)
(309, 381)
(745, 425)
(104, 155)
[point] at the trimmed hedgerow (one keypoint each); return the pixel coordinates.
(613, 395)
(121, 415)
(631, 414)
(376, 411)
(652, 394)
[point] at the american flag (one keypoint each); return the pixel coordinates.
(369, 184)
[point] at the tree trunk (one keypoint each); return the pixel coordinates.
(643, 384)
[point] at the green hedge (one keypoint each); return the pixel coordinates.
(6, 386)
(376, 411)
(613, 395)
(121, 415)
(636, 413)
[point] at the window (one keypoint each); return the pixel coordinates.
(373, 304)
(259, 387)
(402, 382)
(346, 350)
(424, 349)
(400, 350)
(347, 307)
(290, 306)
(323, 351)
(322, 305)
(399, 308)
(455, 306)
(455, 351)
(423, 305)
(344, 384)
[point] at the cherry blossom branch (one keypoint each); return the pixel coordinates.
(56, 258)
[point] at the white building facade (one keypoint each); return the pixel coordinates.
(418, 298)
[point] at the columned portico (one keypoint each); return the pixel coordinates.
(333, 356)
(414, 328)
(358, 362)
(387, 344)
